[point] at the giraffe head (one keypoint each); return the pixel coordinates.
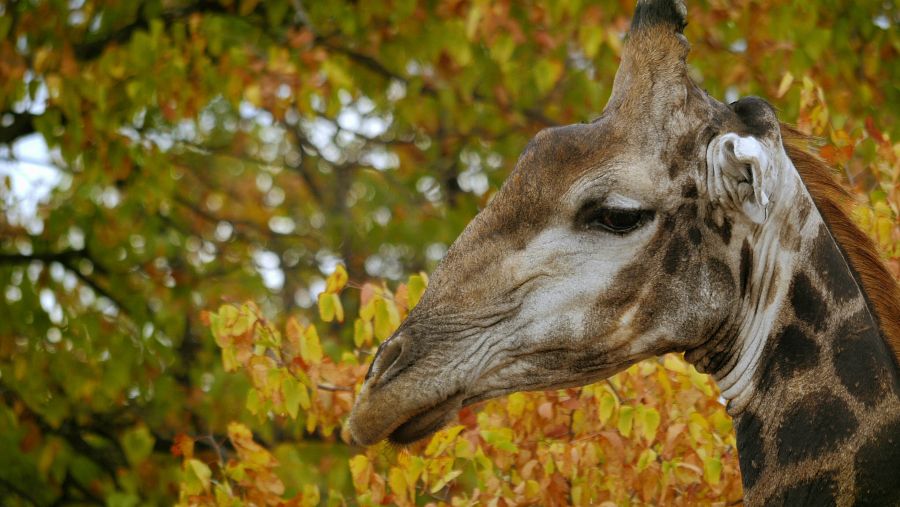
(610, 242)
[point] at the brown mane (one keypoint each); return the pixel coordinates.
(833, 202)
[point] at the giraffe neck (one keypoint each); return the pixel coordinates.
(812, 385)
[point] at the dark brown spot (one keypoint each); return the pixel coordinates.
(683, 154)
(862, 360)
(809, 306)
(674, 169)
(723, 229)
(752, 456)
(669, 221)
(789, 237)
(819, 491)
(721, 278)
(832, 268)
(694, 235)
(676, 254)
(819, 422)
(688, 210)
(746, 266)
(689, 191)
(877, 466)
(787, 354)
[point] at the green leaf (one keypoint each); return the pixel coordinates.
(649, 418)
(416, 287)
(607, 406)
(295, 396)
(137, 444)
(362, 333)
(546, 73)
(120, 499)
(712, 470)
(326, 306)
(443, 481)
(200, 471)
(626, 419)
(383, 327)
(310, 346)
(253, 403)
(647, 457)
(501, 438)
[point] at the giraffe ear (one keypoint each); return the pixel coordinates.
(744, 167)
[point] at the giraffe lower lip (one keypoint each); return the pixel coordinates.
(426, 422)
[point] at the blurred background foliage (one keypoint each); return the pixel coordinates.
(160, 157)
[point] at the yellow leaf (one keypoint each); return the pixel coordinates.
(245, 321)
(200, 470)
(311, 495)
(442, 440)
(532, 488)
(367, 311)
(293, 331)
(338, 308)
(362, 333)
(253, 404)
(311, 420)
(397, 482)
(310, 347)
(712, 470)
(786, 81)
(229, 361)
(649, 422)
(416, 288)
(626, 420)
(515, 404)
(337, 280)
(413, 470)
(576, 493)
(647, 457)
(393, 314)
(449, 476)
(360, 470)
(383, 328)
(607, 405)
(253, 94)
(295, 396)
(674, 363)
(721, 422)
(326, 306)
(224, 494)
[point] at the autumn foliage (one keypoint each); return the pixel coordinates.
(655, 433)
(213, 211)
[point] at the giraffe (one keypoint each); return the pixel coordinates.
(672, 223)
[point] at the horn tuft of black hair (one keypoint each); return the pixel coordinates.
(655, 12)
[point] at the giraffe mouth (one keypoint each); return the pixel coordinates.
(428, 421)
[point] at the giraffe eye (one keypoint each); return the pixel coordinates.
(617, 221)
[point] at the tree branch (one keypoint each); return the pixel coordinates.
(22, 124)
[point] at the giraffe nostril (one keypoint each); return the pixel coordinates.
(388, 361)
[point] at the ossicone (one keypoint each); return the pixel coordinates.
(650, 13)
